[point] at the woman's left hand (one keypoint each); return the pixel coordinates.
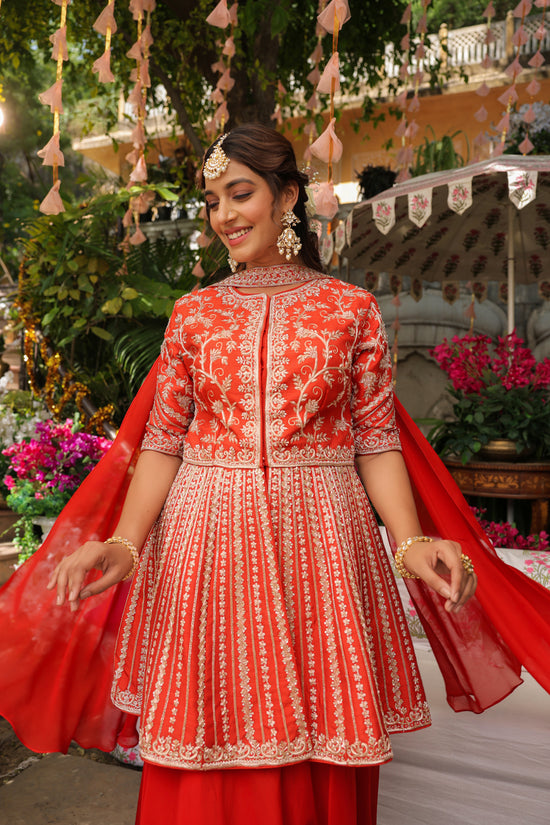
(432, 561)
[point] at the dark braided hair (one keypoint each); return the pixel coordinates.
(271, 156)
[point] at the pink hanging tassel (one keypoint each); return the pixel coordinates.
(147, 38)
(136, 52)
(52, 203)
(226, 82)
(137, 7)
(52, 97)
(316, 54)
(525, 146)
(233, 12)
(533, 88)
(102, 67)
(509, 97)
(59, 40)
(322, 146)
(489, 11)
(537, 60)
(314, 76)
(217, 96)
(220, 16)
(138, 237)
(229, 47)
(149, 5)
(514, 68)
(139, 173)
(331, 73)
(138, 135)
(481, 114)
(338, 9)
(530, 115)
(520, 37)
(203, 240)
(324, 199)
(221, 113)
(523, 8)
(106, 20)
(198, 271)
(219, 66)
(407, 14)
(504, 124)
(51, 154)
(136, 95)
(483, 90)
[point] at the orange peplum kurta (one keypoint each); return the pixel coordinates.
(264, 626)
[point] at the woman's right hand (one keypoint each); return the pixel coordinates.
(114, 560)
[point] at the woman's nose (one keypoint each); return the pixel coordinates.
(225, 210)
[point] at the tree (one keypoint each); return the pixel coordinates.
(273, 42)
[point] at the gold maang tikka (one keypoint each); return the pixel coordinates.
(217, 162)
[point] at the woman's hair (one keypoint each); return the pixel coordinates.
(271, 156)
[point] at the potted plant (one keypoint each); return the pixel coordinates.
(43, 473)
(501, 394)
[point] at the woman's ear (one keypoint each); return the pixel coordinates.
(289, 196)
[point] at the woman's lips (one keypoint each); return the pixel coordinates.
(236, 236)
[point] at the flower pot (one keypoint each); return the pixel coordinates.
(45, 523)
(503, 449)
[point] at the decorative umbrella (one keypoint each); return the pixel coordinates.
(487, 221)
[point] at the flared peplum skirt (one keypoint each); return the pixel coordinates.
(260, 634)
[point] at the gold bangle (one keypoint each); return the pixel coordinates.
(133, 550)
(400, 553)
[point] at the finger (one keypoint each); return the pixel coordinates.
(437, 583)
(113, 575)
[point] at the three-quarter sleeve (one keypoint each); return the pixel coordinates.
(372, 405)
(173, 406)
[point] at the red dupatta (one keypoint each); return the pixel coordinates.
(56, 666)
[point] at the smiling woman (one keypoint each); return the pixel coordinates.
(260, 170)
(263, 642)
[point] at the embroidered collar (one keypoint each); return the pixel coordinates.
(278, 275)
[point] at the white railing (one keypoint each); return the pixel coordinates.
(466, 47)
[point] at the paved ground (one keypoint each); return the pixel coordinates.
(79, 788)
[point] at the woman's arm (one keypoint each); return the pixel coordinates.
(386, 481)
(153, 476)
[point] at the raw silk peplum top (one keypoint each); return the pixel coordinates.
(264, 625)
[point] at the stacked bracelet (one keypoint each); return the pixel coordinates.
(400, 553)
(133, 550)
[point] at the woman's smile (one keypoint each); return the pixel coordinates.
(245, 215)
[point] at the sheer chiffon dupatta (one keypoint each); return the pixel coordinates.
(56, 666)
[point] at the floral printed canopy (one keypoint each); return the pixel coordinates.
(486, 221)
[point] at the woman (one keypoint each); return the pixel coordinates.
(263, 643)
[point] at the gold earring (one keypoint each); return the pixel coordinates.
(233, 264)
(288, 242)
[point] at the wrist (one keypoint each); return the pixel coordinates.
(132, 549)
(402, 549)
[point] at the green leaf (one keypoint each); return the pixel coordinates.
(113, 306)
(79, 323)
(51, 290)
(75, 294)
(129, 293)
(167, 194)
(49, 316)
(102, 333)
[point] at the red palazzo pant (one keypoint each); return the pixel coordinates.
(307, 793)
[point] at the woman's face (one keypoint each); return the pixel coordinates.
(245, 216)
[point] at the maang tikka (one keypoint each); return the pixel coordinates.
(288, 242)
(217, 162)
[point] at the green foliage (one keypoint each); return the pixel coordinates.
(87, 293)
(521, 414)
(437, 155)
(457, 14)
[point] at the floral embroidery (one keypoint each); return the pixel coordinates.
(258, 633)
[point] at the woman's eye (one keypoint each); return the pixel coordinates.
(211, 205)
(241, 196)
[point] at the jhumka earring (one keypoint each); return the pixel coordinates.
(233, 264)
(288, 242)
